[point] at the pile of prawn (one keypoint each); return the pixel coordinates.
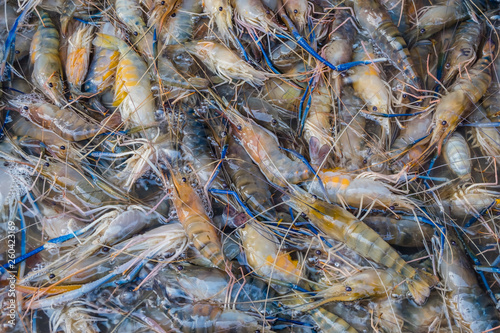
(249, 166)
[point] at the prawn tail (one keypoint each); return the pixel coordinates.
(106, 41)
(420, 286)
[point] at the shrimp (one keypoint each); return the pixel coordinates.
(72, 8)
(263, 254)
(54, 144)
(325, 320)
(469, 201)
(369, 283)
(339, 47)
(249, 182)
(130, 14)
(457, 155)
(318, 124)
(132, 87)
(401, 231)
(469, 306)
(212, 318)
(342, 187)
(78, 56)
(220, 12)
(44, 55)
(66, 123)
(180, 26)
(196, 223)
(297, 10)
(341, 225)
(262, 146)
(369, 86)
(375, 19)
(431, 19)
(225, 63)
(461, 97)
(195, 284)
(352, 135)
(463, 50)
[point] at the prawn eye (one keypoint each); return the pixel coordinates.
(348, 288)
(52, 275)
(318, 252)
(239, 127)
(365, 161)
(375, 108)
(295, 11)
(174, 15)
(135, 33)
(223, 134)
(46, 164)
(453, 242)
(315, 197)
(392, 207)
(25, 107)
(448, 65)
(444, 123)
(180, 267)
(422, 31)
(163, 3)
(105, 249)
(51, 84)
(17, 51)
(63, 147)
(221, 9)
(404, 96)
(5, 164)
(274, 122)
(184, 179)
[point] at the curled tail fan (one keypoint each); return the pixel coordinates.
(420, 286)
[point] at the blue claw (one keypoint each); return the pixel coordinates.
(236, 196)
(264, 54)
(308, 165)
(57, 240)
(217, 170)
(296, 322)
(303, 43)
(301, 105)
(487, 269)
(242, 49)
(155, 47)
(481, 213)
(477, 263)
(10, 45)
(436, 179)
(483, 125)
(95, 24)
(306, 112)
(314, 231)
